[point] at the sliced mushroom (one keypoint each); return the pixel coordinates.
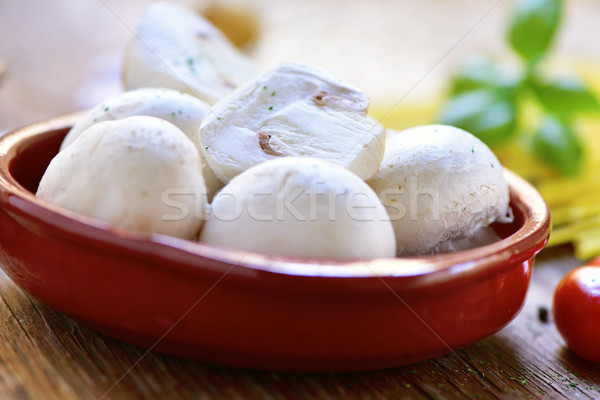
(176, 48)
(294, 109)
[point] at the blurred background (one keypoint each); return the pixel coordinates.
(65, 55)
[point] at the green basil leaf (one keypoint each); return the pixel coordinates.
(533, 26)
(565, 96)
(556, 144)
(488, 114)
(483, 72)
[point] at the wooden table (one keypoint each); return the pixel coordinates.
(46, 355)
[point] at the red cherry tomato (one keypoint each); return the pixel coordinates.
(577, 310)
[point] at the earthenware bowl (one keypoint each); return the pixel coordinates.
(252, 310)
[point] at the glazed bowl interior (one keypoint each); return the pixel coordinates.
(29, 152)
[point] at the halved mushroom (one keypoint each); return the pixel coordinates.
(294, 110)
(176, 48)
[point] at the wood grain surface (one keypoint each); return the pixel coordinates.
(46, 355)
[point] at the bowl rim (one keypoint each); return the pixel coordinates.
(520, 246)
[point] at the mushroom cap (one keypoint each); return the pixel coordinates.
(437, 183)
(176, 48)
(300, 207)
(138, 173)
(182, 110)
(293, 110)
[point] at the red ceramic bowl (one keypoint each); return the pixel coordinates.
(222, 306)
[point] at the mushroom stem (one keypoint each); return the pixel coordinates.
(319, 98)
(264, 142)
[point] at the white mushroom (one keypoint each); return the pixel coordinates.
(294, 110)
(176, 48)
(182, 110)
(138, 173)
(439, 183)
(301, 207)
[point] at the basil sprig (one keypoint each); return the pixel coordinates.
(533, 27)
(488, 98)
